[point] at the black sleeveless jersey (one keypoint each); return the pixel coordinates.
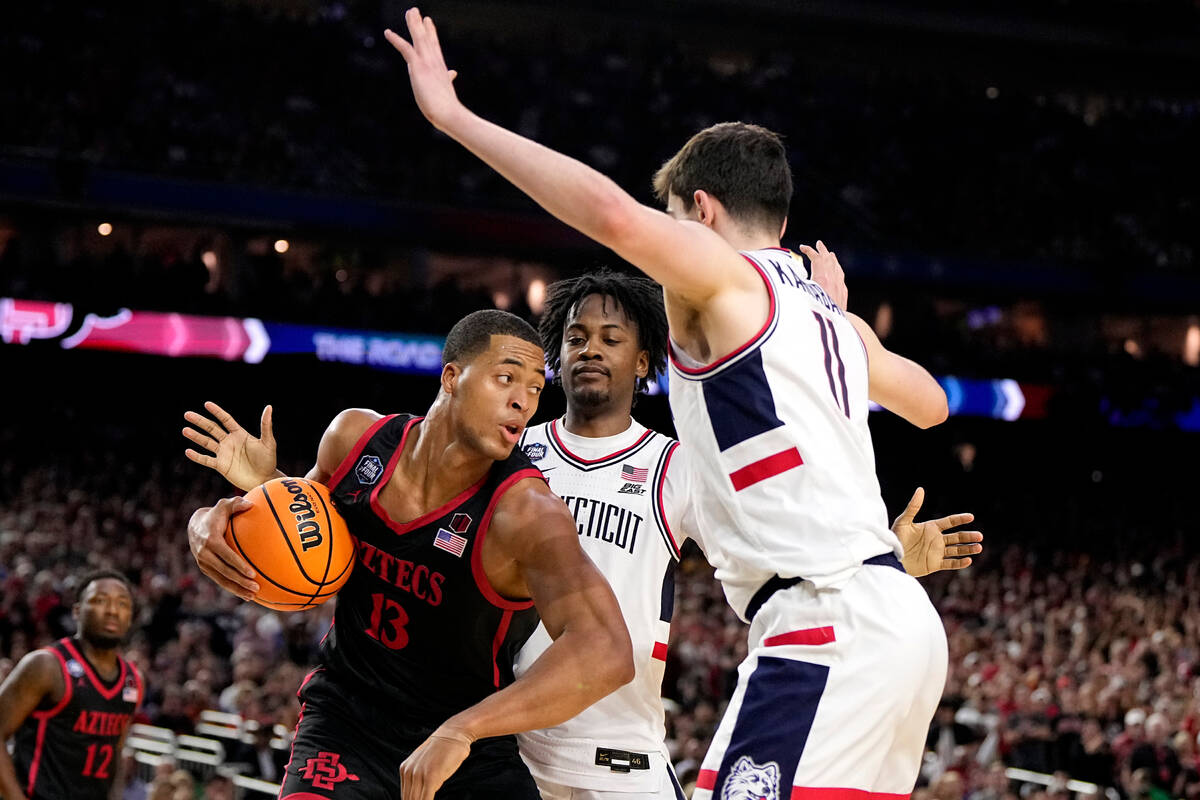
(71, 750)
(419, 631)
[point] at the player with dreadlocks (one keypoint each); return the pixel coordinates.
(605, 337)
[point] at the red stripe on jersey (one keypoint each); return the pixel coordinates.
(107, 694)
(43, 718)
(765, 468)
(660, 651)
(405, 527)
(553, 426)
(37, 755)
(707, 779)
(359, 446)
(67, 690)
(497, 640)
(696, 372)
(830, 793)
(805, 636)
(481, 578)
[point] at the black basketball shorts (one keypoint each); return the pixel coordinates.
(345, 752)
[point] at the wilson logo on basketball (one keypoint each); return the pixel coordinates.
(301, 505)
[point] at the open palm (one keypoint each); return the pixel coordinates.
(928, 547)
(245, 461)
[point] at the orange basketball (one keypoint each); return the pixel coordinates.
(296, 541)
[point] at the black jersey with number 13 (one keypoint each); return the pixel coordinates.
(418, 626)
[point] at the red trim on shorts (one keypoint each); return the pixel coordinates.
(107, 694)
(359, 446)
(405, 527)
(310, 675)
(765, 468)
(497, 640)
(295, 736)
(707, 779)
(481, 578)
(44, 717)
(805, 636)
(696, 372)
(830, 793)
(660, 651)
(553, 426)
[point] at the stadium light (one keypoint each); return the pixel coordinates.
(104, 228)
(281, 246)
(536, 296)
(1191, 345)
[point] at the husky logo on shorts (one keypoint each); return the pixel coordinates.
(368, 469)
(535, 451)
(749, 781)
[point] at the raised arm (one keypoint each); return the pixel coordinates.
(591, 655)
(37, 677)
(690, 261)
(206, 528)
(901, 385)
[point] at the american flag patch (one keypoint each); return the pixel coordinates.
(450, 542)
(635, 474)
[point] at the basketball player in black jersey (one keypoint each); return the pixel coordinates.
(70, 704)
(460, 546)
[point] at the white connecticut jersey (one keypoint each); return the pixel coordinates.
(629, 515)
(780, 456)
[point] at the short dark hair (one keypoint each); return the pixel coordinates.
(744, 166)
(98, 575)
(473, 334)
(640, 298)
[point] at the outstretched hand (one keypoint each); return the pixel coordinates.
(244, 460)
(432, 82)
(927, 546)
(827, 272)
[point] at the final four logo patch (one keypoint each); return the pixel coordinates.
(535, 451)
(368, 470)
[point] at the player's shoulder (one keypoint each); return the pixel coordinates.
(526, 501)
(353, 422)
(350, 425)
(38, 669)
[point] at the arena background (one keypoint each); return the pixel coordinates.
(237, 201)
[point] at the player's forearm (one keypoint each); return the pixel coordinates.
(573, 192)
(912, 393)
(580, 668)
(10, 787)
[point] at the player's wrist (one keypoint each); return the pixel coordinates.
(455, 731)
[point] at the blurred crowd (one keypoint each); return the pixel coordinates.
(1074, 640)
(923, 160)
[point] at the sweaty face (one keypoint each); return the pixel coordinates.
(496, 393)
(104, 613)
(601, 359)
